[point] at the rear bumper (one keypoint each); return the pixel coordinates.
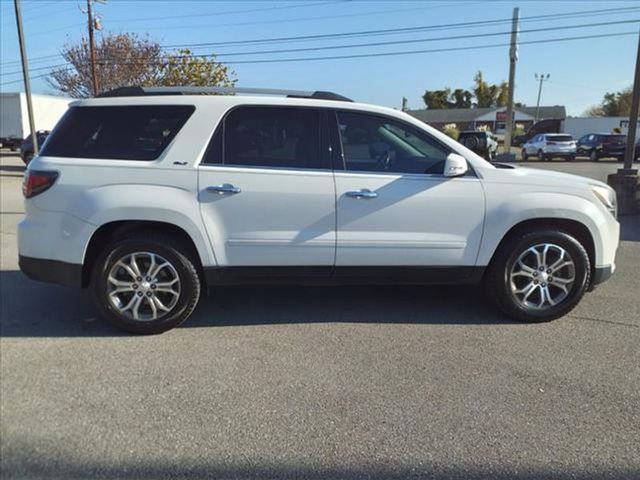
(51, 271)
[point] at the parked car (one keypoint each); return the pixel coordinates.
(601, 145)
(547, 146)
(550, 125)
(147, 196)
(26, 149)
(481, 142)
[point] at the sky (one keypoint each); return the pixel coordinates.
(581, 71)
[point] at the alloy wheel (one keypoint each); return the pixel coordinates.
(542, 276)
(143, 286)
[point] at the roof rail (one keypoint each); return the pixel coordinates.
(187, 90)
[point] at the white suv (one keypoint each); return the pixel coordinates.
(550, 145)
(146, 196)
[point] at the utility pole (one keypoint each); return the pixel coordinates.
(625, 181)
(404, 104)
(25, 74)
(542, 77)
(513, 59)
(92, 48)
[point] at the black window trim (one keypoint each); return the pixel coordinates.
(470, 173)
(325, 148)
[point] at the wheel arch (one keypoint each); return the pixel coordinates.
(110, 231)
(576, 229)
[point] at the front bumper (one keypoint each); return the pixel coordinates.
(602, 274)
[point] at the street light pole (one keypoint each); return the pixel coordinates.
(542, 77)
(25, 74)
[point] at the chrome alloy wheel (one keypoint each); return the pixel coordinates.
(143, 286)
(542, 276)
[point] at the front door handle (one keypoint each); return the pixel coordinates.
(224, 188)
(362, 193)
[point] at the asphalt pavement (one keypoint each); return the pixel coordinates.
(320, 383)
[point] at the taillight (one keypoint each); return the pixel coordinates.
(37, 181)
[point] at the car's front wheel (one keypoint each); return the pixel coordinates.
(524, 155)
(145, 283)
(538, 276)
(593, 156)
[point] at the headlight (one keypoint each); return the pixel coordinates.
(608, 198)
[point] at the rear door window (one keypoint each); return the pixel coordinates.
(117, 132)
(269, 137)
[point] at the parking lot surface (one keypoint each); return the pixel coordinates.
(296, 382)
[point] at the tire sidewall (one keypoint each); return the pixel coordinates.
(99, 286)
(582, 269)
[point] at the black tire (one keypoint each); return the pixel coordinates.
(498, 281)
(593, 156)
(541, 156)
(571, 158)
(165, 246)
(524, 155)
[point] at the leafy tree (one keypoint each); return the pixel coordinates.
(614, 104)
(127, 59)
(437, 99)
(461, 98)
(483, 95)
(185, 69)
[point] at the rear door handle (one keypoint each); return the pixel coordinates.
(362, 193)
(224, 188)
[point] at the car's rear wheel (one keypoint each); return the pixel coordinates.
(538, 276)
(145, 283)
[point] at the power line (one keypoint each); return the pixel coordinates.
(228, 12)
(307, 19)
(406, 52)
(406, 29)
(361, 45)
(413, 52)
(419, 40)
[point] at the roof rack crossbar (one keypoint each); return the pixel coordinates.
(187, 90)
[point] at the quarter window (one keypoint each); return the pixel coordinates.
(117, 132)
(379, 144)
(273, 137)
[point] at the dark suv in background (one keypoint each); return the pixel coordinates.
(483, 143)
(600, 145)
(26, 149)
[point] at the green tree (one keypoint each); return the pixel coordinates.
(127, 59)
(614, 104)
(488, 95)
(437, 99)
(483, 95)
(461, 98)
(183, 68)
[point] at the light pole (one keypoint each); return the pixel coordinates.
(541, 78)
(25, 74)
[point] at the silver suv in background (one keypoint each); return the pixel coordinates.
(547, 146)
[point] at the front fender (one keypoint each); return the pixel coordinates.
(505, 212)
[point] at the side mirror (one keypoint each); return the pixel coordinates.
(455, 165)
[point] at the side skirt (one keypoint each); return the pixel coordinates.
(342, 275)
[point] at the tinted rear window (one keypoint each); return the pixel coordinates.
(117, 132)
(560, 138)
(615, 138)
